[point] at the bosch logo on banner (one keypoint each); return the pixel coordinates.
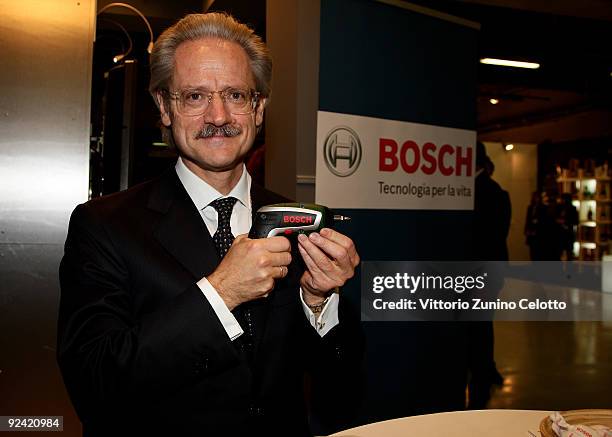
(342, 151)
(430, 159)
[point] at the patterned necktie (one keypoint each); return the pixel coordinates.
(223, 237)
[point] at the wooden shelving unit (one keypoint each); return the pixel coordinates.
(592, 196)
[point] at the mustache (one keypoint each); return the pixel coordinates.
(210, 130)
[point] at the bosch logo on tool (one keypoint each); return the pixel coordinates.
(298, 219)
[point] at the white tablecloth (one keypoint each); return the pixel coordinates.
(489, 423)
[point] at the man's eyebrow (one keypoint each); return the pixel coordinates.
(194, 87)
(222, 87)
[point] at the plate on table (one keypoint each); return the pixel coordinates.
(578, 417)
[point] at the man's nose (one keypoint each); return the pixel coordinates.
(216, 113)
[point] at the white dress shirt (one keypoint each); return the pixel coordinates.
(202, 196)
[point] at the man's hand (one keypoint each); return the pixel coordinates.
(249, 268)
(330, 259)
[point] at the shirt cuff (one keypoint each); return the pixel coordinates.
(328, 317)
(227, 319)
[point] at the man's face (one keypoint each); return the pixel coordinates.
(212, 65)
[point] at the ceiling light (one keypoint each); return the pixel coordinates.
(493, 101)
(508, 147)
(507, 63)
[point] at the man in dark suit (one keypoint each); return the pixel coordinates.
(492, 217)
(170, 325)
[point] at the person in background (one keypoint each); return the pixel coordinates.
(567, 219)
(550, 242)
(492, 211)
(492, 215)
(532, 230)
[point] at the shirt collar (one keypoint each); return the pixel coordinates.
(202, 194)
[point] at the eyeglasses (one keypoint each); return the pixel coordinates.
(194, 102)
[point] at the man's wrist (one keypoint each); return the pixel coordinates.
(318, 308)
(314, 299)
(216, 283)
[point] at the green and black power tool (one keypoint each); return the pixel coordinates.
(292, 219)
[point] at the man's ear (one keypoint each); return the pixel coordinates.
(163, 110)
(259, 111)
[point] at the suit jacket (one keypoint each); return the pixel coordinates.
(142, 351)
(492, 215)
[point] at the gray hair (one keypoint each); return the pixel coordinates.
(212, 25)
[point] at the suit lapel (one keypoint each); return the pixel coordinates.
(181, 230)
(259, 198)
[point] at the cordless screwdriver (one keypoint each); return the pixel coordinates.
(292, 219)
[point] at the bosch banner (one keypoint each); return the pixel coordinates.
(366, 162)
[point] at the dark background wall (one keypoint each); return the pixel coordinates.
(387, 62)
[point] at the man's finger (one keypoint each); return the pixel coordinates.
(278, 272)
(320, 258)
(334, 250)
(276, 244)
(336, 237)
(343, 241)
(314, 277)
(311, 263)
(308, 261)
(280, 259)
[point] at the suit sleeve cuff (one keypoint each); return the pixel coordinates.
(328, 318)
(227, 319)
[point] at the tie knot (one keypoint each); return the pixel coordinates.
(224, 206)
